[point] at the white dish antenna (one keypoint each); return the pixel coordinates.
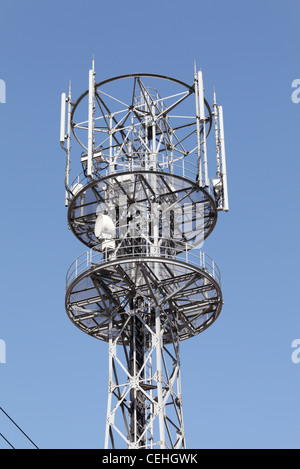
(104, 227)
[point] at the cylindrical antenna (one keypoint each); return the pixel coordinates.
(63, 119)
(202, 119)
(223, 161)
(91, 121)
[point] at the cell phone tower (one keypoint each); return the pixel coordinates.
(143, 204)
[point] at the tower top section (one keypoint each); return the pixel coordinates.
(144, 122)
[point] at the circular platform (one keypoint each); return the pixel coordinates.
(186, 289)
(133, 99)
(187, 212)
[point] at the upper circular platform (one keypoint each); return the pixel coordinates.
(186, 211)
(146, 154)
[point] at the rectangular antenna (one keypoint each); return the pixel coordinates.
(199, 162)
(216, 119)
(223, 161)
(202, 119)
(68, 149)
(91, 123)
(201, 96)
(63, 119)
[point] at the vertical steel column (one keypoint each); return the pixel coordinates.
(110, 385)
(90, 166)
(111, 166)
(159, 378)
(136, 370)
(202, 119)
(199, 162)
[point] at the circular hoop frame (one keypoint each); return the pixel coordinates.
(82, 212)
(191, 294)
(135, 76)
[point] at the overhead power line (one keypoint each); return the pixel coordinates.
(7, 441)
(20, 429)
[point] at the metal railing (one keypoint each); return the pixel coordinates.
(133, 248)
(165, 164)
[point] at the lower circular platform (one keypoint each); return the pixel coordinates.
(186, 289)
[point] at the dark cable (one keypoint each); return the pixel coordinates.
(18, 427)
(7, 441)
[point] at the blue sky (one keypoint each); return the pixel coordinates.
(240, 386)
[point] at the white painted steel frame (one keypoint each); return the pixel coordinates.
(144, 406)
(161, 388)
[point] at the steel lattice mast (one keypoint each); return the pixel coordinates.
(143, 205)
